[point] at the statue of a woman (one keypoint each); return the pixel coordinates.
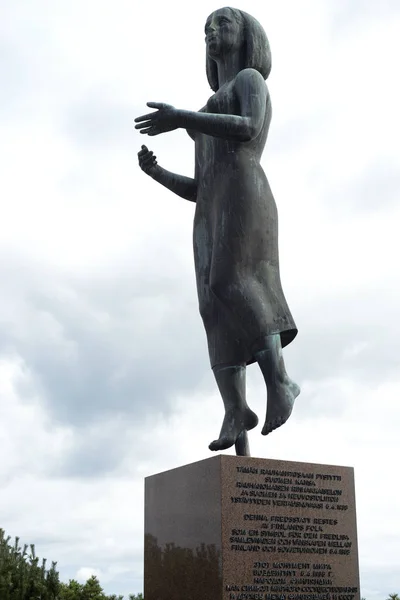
(235, 235)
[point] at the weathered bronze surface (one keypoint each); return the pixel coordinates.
(235, 235)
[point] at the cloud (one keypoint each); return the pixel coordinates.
(84, 573)
(372, 190)
(26, 425)
(114, 338)
(97, 122)
(347, 16)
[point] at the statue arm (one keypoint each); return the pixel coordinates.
(185, 187)
(252, 92)
(190, 132)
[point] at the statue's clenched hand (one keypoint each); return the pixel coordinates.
(147, 160)
(179, 184)
(165, 118)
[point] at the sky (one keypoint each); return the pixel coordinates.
(104, 372)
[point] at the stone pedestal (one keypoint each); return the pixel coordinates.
(240, 528)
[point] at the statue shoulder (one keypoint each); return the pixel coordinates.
(250, 78)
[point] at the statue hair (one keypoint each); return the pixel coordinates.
(257, 52)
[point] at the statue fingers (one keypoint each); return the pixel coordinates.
(144, 124)
(147, 130)
(158, 105)
(143, 151)
(147, 117)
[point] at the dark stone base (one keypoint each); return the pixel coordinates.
(239, 528)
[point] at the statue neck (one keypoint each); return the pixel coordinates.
(229, 66)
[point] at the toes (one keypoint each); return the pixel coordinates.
(230, 432)
(221, 444)
(274, 424)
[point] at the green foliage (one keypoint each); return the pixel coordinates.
(71, 590)
(21, 575)
(23, 578)
(91, 590)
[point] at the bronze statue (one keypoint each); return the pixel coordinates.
(235, 234)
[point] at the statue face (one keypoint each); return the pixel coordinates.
(223, 33)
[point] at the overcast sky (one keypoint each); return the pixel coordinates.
(104, 373)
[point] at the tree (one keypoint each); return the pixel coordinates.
(24, 577)
(92, 590)
(71, 590)
(21, 575)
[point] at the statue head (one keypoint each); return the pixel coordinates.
(237, 28)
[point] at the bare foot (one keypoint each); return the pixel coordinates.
(233, 424)
(281, 399)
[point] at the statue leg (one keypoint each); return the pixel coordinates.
(255, 310)
(281, 390)
(231, 381)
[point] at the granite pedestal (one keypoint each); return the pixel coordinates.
(240, 528)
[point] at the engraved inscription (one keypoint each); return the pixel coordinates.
(289, 489)
(295, 522)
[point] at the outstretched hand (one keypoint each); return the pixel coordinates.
(166, 118)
